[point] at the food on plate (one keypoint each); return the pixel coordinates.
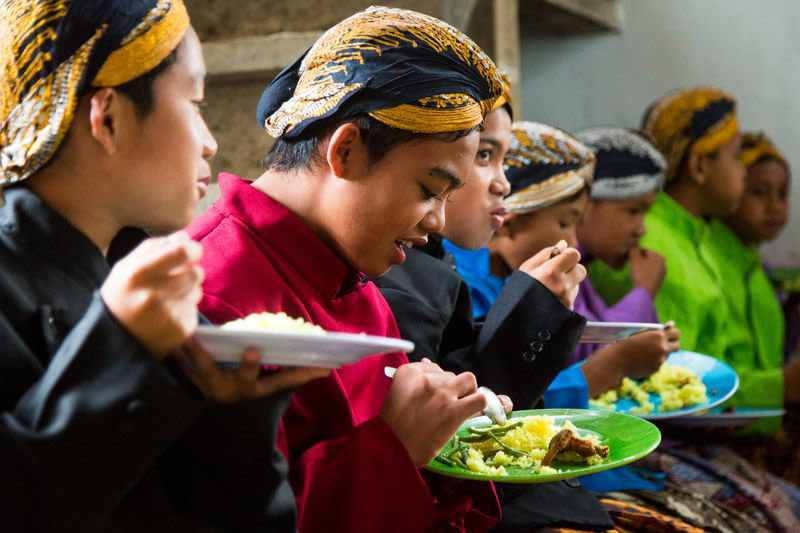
(531, 442)
(678, 387)
(275, 322)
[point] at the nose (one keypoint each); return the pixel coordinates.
(639, 230)
(500, 185)
(433, 221)
(572, 238)
(209, 142)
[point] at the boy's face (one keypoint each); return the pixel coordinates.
(523, 236)
(610, 229)
(400, 199)
(764, 208)
(476, 211)
(724, 183)
(166, 155)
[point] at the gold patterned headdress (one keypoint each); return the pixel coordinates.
(544, 165)
(756, 146)
(699, 120)
(407, 70)
(52, 51)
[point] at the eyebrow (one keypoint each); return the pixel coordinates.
(489, 140)
(443, 173)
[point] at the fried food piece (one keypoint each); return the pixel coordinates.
(566, 440)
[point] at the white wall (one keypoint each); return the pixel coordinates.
(750, 48)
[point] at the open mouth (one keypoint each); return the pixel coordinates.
(401, 245)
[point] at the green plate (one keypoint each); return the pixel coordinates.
(628, 437)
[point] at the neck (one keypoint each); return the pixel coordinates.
(67, 194)
(303, 197)
(746, 239)
(688, 195)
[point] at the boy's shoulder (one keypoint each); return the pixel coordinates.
(428, 278)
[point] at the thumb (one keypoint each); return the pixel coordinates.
(544, 255)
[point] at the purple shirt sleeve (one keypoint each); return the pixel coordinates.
(636, 306)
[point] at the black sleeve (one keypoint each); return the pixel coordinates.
(525, 341)
(89, 429)
(417, 321)
(229, 471)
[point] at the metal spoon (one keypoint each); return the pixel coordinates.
(494, 407)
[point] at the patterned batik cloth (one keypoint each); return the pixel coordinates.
(544, 165)
(741, 493)
(628, 165)
(407, 70)
(698, 120)
(53, 51)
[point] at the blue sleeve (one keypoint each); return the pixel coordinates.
(569, 389)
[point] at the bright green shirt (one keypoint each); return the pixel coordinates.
(719, 296)
(755, 331)
(691, 292)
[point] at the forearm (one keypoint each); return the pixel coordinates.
(90, 427)
(602, 371)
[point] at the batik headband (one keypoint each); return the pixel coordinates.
(756, 146)
(407, 70)
(628, 165)
(544, 165)
(699, 121)
(53, 51)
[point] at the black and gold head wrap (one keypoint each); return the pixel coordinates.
(53, 51)
(699, 120)
(628, 164)
(544, 165)
(407, 70)
(756, 147)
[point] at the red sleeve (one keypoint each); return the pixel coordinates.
(217, 310)
(365, 481)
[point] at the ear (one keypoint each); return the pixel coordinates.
(106, 111)
(697, 167)
(346, 153)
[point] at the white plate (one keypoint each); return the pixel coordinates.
(331, 350)
(612, 332)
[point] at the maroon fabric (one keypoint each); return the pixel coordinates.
(347, 468)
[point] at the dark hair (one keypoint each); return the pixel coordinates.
(584, 190)
(140, 89)
(303, 152)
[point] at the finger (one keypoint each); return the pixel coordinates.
(673, 347)
(173, 254)
(463, 384)
(287, 379)
(673, 334)
(428, 367)
(566, 260)
(180, 284)
(508, 405)
(574, 277)
(558, 248)
(203, 361)
(466, 406)
(537, 260)
(249, 366)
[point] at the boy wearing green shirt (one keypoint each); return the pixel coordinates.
(755, 346)
(697, 131)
